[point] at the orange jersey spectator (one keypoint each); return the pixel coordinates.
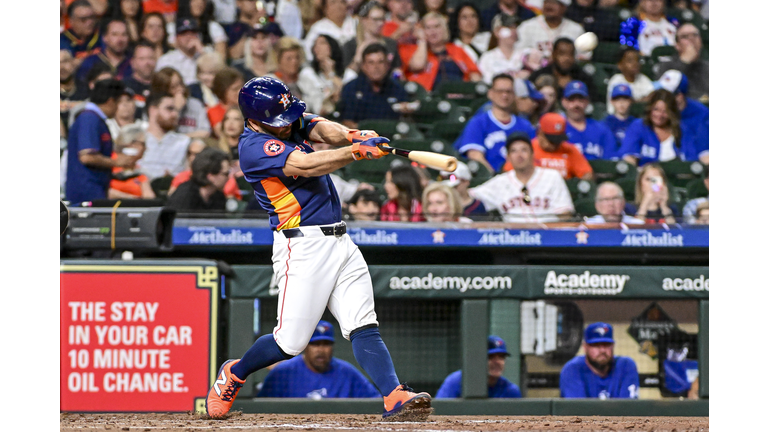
(216, 114)
(231, 189)
(567, 160)
(133, 186)
(426, 77)
(161, 6)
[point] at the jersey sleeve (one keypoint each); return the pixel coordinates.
(561, 198)
(304, 125)
(571, 384)
(264, 158)
(88, 136)
(633, 138)
(472, 137)
(630, 380)
(487, 193)
(451, 387)
(579, 166)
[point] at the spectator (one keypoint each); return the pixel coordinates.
(485, 135)
(193, 119)
(619, 121)
(208, 65)
(433, 59)
(82, 38)
(693, 114)
(143, 65)
(690, 210)
(547, 86)
(166, 150)
(498, 386)
(336, 23)
(63, 18)
(124, 116)
(128, 182)
(598, 373)
(541, 32)
(167, 8)
(564, 68)
(702, 213)
(115, 52)
(289, 16)
(610, 203)
(252, 15)
(503, 58)
(71, 92)
(510, 8)
(212, 34)
(660, 135)
(204, 190)
(460, 180)
(226, 86)
(649, 29)
(188, 48)
(527, 193)
(370, 26)
(232, 126)
(403, 187)
(259, 58)
(99, 72)
(290, 58)
(629, 68)
(550, 149)
(593, 139)
(528, 100)
(131, 12)
(365, 205)
(89, 145)
(688, 61)
(599, 20)
(442, 204)
(317, 374)
(372, 93)
(652, 196)
(225, 11)
(464, 25)
(424, 7)
(401, 22)
(320, 82)
(153, 30)
(231, 189)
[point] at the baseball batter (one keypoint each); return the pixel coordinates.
(315, 261)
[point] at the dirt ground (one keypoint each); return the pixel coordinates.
(334, 422)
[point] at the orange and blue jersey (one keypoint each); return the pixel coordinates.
(290, 201)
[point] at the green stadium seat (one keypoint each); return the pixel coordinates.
(637, 109)
(480, 173)
(436, 109)
(628, 187)
(413, 144)
(607, 52)
(476, 104)
(585, 207)
(416, 91)
(245, 188)
(448, 130)
(697, 189)
(646, 67)
(688, 16)
(663, 53)
(680, 173)
(161, 185)
(372, 171)
(460, 92)
(392, 129)
(579, 188)
(599, 78)
(599, 110)
(605, 170)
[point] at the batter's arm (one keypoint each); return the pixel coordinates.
(330, 132)
(317, 163)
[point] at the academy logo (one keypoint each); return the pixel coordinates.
(273, 147)
(584, 284)
(462, 284)
(505, 238)
(701, 283)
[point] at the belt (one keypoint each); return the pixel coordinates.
(336, 230)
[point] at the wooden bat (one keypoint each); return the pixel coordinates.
(433, 160)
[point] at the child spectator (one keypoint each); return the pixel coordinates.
(629, 68)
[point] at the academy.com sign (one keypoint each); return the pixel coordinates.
(461, 284)
(584, 283)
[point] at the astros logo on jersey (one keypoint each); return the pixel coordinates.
(285, 100)
(273, 147)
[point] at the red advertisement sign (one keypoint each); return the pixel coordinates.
(137, 338)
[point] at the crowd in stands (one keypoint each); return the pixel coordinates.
(544, 133)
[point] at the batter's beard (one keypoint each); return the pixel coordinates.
(605, 368)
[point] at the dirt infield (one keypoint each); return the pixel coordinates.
(334, 422)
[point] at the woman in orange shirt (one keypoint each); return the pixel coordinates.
(226, 86)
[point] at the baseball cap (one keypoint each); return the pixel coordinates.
(268, 28)
(525, 89)
(673, 81)
(496, 345)
(323, 332)
(186, 24)
(552, 125)
(621, 90)
(598, 332)
(461, 172)
(574, 88)
(518, 136)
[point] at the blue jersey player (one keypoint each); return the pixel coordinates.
(598, 374)
(316, 373)
(316, 263)
(593, 139)
(498, 386)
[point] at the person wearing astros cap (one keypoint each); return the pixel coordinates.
(498, 386)
(598, 373)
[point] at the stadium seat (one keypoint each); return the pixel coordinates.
(413, 144)
(663, 53)
(612, 170)
(646, 67)
(372, 171)
(580, 188)
(480, 173)
(416, 91)
(688, 16)
(460, 92)
(637, 109)
(697, 189)
(245, 188)
(585, 207)
(628, 187)
(161, 185)
(607, 52)
(598, 112)
(599, 78)
(392, 129)
(448, 130)
(476, 105)
(680, 173)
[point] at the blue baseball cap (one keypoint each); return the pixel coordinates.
(598, 332)
(673, 81)
(496, 345)
(575, 88)
(323, 332)
(526, 89)
(621, 90)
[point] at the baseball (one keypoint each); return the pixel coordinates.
(586, 42)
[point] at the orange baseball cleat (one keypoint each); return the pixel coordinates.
(405, 405)
(224, 391)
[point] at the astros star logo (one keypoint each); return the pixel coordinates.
(581, 237)
(284, 100)
(273, 147)
(438, 237)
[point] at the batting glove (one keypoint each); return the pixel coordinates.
(369, 149)
(355, 135)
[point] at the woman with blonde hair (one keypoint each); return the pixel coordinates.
(442, 204)
(208, 65)
(259, 58)
(370, 25)
(652, 196)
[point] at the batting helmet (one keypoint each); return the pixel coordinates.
(269, 101)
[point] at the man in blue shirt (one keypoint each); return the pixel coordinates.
(316, 374)
(498, 386)
(592, 138)
(598, 374)
(115, 53)
(89, 145)
(693, 114)
(82, 37)
(484, 138)
(373, 94)
(619, 121)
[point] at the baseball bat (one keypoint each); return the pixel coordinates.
(433, 160)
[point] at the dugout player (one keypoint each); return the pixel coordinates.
(598, 374)
(316, 373)
(316, 263)
(498, 386)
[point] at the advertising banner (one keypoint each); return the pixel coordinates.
(137, 337)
